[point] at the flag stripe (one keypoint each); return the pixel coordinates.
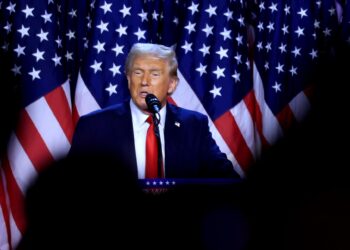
(15, 199)
(48, 128)
(66, 88)
(286, 118)
(75, 115)
(184, 96)
(44, 50)
(5, 239)
(272, 130)
(246, 127)
(59, 105)
(255, 112)
(20, 164)
(16, 234)
(229, 155)
(171, 100)
(230, 131)
(32, 142)
(300, 106)
(84, 100)
(310, 93)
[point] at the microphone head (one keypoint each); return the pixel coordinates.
(153, 104)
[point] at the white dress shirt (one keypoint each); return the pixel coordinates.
(140, 127)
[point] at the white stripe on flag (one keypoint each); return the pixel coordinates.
(300, 106)
(4, 241)
(15, 233)
(185, 97)
(49, 128)
(247, 128)
(3, 238)
(66, 88)
(271, 127)
(84, 100)
(21, 166)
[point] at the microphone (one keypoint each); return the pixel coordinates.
(153, 104)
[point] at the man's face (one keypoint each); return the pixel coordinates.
(149, 74)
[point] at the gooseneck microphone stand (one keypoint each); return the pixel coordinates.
(156, 120)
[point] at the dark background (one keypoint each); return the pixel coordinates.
(298, 194)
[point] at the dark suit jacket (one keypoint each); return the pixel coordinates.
(190, 150)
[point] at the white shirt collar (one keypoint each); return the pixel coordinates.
(140, 117)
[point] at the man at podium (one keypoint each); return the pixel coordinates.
(153, 138)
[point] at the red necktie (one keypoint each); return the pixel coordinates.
(151, 151)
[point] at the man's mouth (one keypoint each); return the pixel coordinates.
(143, 94)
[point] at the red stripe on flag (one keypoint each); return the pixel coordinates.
(310, 93)
(255, 112)
(5, 212)
(171, 100)
(75, 116)
(58, 103)
(32, 142)
(16, 198)
(286, 118)
(231, 134)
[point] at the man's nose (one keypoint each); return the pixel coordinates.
(145, 80)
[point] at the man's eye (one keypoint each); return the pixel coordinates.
(155, 74)
(137, 72)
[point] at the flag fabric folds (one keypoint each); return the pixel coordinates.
(214, 72)
(290, 38)
(67, 59)
(39, 41)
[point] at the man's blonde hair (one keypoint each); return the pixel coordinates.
(157, 50)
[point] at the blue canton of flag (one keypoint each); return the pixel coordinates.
(212, 53)
(41, 48)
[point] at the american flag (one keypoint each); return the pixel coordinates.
(290, 38)
(40, 42)
(250, 103)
